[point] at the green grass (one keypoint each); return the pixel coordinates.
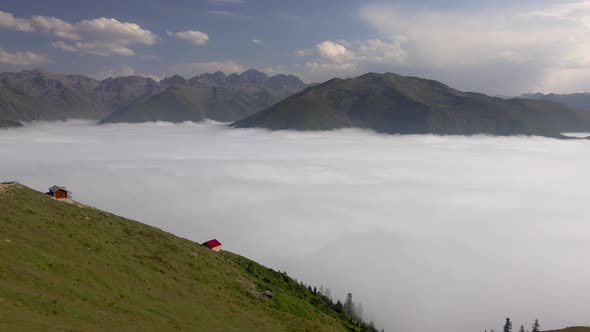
(72, 267)
(573, 329)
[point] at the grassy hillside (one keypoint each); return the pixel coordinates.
(394, 104)
(573, 329)
(66, 266)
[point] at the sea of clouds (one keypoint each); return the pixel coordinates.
(428, 232)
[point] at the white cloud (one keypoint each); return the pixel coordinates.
(193, 37)
(194, 68)
(227, 14)
(377, 51)
(101, 49)
(408, 224)
(8, 21)
(112, 31)
(524, 46)
(55, 27)
(257, 41)
(345, 58)
(22, 58)
(332, 51)
(100, 36)
(301, 53)
(123, 70)
(64, 47)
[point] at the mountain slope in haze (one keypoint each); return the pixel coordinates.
(389, 103)
(188, 103)
(210, 96)
(10, 124)
(41, 95)
(580, 101)
(67, 266)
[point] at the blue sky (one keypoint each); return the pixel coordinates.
(495, 47)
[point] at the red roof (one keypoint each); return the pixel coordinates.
(212, 243)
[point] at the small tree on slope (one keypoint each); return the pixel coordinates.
(508, 325)
(536, 326)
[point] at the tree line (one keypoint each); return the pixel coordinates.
(536, 327)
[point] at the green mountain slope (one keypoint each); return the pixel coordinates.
(573, 329)
(210, 96)
(66, 266)
(190, 103)
(41, 95)
(394, 104)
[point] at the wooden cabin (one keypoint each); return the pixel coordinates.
(213, 245)
(58, 192)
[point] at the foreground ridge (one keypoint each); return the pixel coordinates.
(71, 266)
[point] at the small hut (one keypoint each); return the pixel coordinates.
(58, 192)
(213, 245)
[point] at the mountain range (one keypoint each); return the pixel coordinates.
(209, 96)
(386, 103)
(580, 101)
(394, 104)
(41, 95)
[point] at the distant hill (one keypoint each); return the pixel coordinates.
(573, 329)
(9, 124)
(41, 95)
(67, 266)
(210, 96)
(389, 103)
(580, 101)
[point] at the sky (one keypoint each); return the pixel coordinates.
(496, 47)
(446, 233)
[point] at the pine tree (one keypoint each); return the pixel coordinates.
(508, 325)
(536, 326)
(521, 329)
(349, 306)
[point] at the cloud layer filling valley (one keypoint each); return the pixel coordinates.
(452, 233)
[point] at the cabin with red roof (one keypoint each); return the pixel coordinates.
(213, 245)
(58, 192)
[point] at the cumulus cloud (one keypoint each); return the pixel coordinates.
(528, 47)
(429, 233)
(332, 51)
(8, 21)
(227, 14)
(22, 58)
(123, 70)
(55, 26)
(193, 37)
(346, 58)
(102, 49)
(100, 36)
(195, 68)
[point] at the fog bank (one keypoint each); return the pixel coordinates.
(445, 233)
